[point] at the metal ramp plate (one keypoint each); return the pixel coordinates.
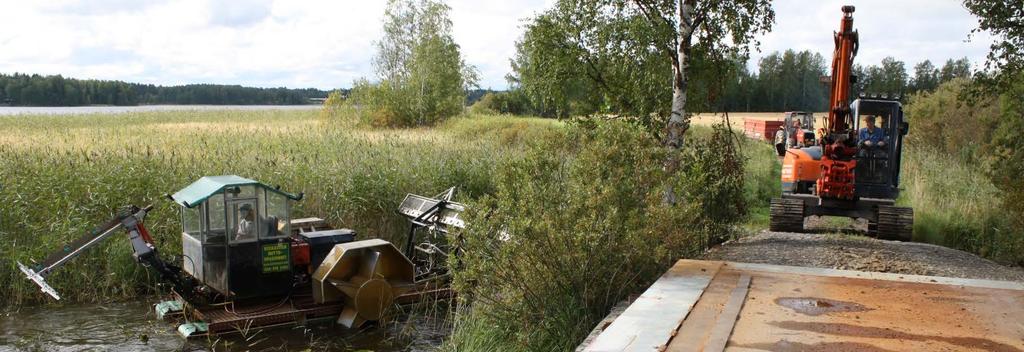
(757, 307)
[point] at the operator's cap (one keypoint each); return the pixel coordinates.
(245, 207)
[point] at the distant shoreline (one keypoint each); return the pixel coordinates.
(121, 109)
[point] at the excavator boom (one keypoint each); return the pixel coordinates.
(842, 67)
(839, 144)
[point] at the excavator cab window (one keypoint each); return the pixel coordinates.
(875, 164)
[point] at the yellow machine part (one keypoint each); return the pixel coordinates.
(799, 166)
(366, 275)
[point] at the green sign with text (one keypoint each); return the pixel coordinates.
(276, 258)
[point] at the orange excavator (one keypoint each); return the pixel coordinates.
(854, 170)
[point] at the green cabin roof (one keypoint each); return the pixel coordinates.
(197, 192)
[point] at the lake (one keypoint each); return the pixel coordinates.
(132, 326)
(77, 110)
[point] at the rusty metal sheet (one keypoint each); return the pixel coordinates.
(1009, 285)
(808, 309)
(651, 321)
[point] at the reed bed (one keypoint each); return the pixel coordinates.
(62, 175)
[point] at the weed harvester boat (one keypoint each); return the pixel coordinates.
(247, 264)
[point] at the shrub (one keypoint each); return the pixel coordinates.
(1006, 159)
(574, 227)
(943, 121)
(512, 102)
(952, 145)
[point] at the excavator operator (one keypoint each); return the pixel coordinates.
(871, 136)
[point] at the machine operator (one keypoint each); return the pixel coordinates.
(871, 136)
(246, 225)
(796, 134)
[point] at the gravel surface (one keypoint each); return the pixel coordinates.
(854, 252)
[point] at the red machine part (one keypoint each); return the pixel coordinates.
(837, 164)
(300, 253)
(145, 233)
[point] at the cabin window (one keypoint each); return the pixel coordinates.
(191, 224)
(278, 221)
(217, 222)
(244, 219)
(241, 192)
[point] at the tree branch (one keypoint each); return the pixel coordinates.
(654, 19)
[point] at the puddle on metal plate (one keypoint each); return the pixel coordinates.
(817, 306)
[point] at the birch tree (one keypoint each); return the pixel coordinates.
(723, 29)
(422, 76)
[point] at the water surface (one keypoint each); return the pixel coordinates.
(76, 110)
(132, 326)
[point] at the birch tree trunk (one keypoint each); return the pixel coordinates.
(679, 121)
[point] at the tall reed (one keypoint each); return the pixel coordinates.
(62, 175)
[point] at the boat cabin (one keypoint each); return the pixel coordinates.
(235, 235)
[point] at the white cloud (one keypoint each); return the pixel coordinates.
(909, 30)
(328, 44)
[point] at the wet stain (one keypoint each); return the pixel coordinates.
(785, 346)
(950, 299)
(818, 306)
(842, 329)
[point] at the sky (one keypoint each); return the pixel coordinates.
(328, 44)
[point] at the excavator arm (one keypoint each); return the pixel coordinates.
(839, 140)
(143, 250)
(847, 43)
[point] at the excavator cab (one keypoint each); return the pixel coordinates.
(878, 167)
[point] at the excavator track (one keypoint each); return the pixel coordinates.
(787, 215)
(895, 223)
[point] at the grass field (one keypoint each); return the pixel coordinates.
(62, 175)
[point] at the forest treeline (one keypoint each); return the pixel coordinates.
(781, 81)
(37, 90)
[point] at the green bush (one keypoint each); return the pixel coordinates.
(512, 102)
(712, 177)
(1006, 158)
(961, 171)
(577, 225)
(943, 121)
